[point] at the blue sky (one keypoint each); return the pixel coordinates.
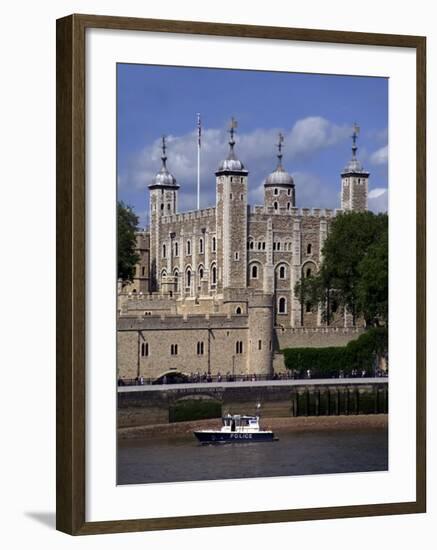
(314, 112)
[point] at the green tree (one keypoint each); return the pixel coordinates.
(354, 272)
(127, 258)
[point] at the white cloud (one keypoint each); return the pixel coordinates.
(380, 156)
(378, 200)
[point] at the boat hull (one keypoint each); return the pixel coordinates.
(206, 437)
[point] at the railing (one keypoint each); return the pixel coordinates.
(177, 378)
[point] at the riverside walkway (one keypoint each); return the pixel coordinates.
(255, 383)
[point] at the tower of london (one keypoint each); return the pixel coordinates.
(213, 290)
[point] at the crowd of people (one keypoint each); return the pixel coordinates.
(205, 377)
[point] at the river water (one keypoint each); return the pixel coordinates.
(296, 453)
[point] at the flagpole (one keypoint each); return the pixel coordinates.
(198, 160)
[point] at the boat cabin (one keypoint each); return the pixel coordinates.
(240, 423)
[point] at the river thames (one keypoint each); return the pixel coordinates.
(181, 458)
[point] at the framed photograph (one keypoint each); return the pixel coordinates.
(240, 274)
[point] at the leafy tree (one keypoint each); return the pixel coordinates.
(354, 271)
(127, 225)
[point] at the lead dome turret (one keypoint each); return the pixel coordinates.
(280, 177)
(164, 179)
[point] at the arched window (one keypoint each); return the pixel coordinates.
(162, 206)
(200, 273)
(289, 192)
(282, 305)
(251, 244)
(214, 275)
(164, 250)
(309, 248)
(275, 205)
(238, 311)
(188, 278)
(188, 248)
(200, 246)
(254, 272)
(282, 272)
(276, 191)
(213, 244)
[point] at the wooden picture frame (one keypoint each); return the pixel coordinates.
(71, 252)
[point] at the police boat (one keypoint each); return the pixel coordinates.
(236, 429)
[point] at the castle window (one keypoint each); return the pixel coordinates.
(238, 311)
(188, 278)
(188, 248)
(274, 246)
(251, 245)
(308, 307)
(199, 348)
(334, 306)
(308, 272)
(289, 192)
(241, 197)
(213, 244)
(214, 275)
(282, 305)
(144, 349)
(309, 249)
(278, 247)
(288, 206)
(162, 206)
(176, 249)
(201, 273)
(201, 246)
(260, 344)
(264, 245)
(174, 349)
(168, 206)
(259, 245)
(239, 347)
(275, 205)
(237, 256)
(231, 196)
(270, 345)
(282, 272)
(276, 191)
(143, 271)
(254, 272)
(163, 251)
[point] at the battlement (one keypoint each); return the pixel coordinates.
(191, 215)
(259, 213)
(183, 322)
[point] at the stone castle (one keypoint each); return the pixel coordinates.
(213, 290)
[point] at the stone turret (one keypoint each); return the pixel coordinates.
(163, 202)
(231, 182)
(354, 181)
(279, 190)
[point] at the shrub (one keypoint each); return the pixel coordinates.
(359, 354)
